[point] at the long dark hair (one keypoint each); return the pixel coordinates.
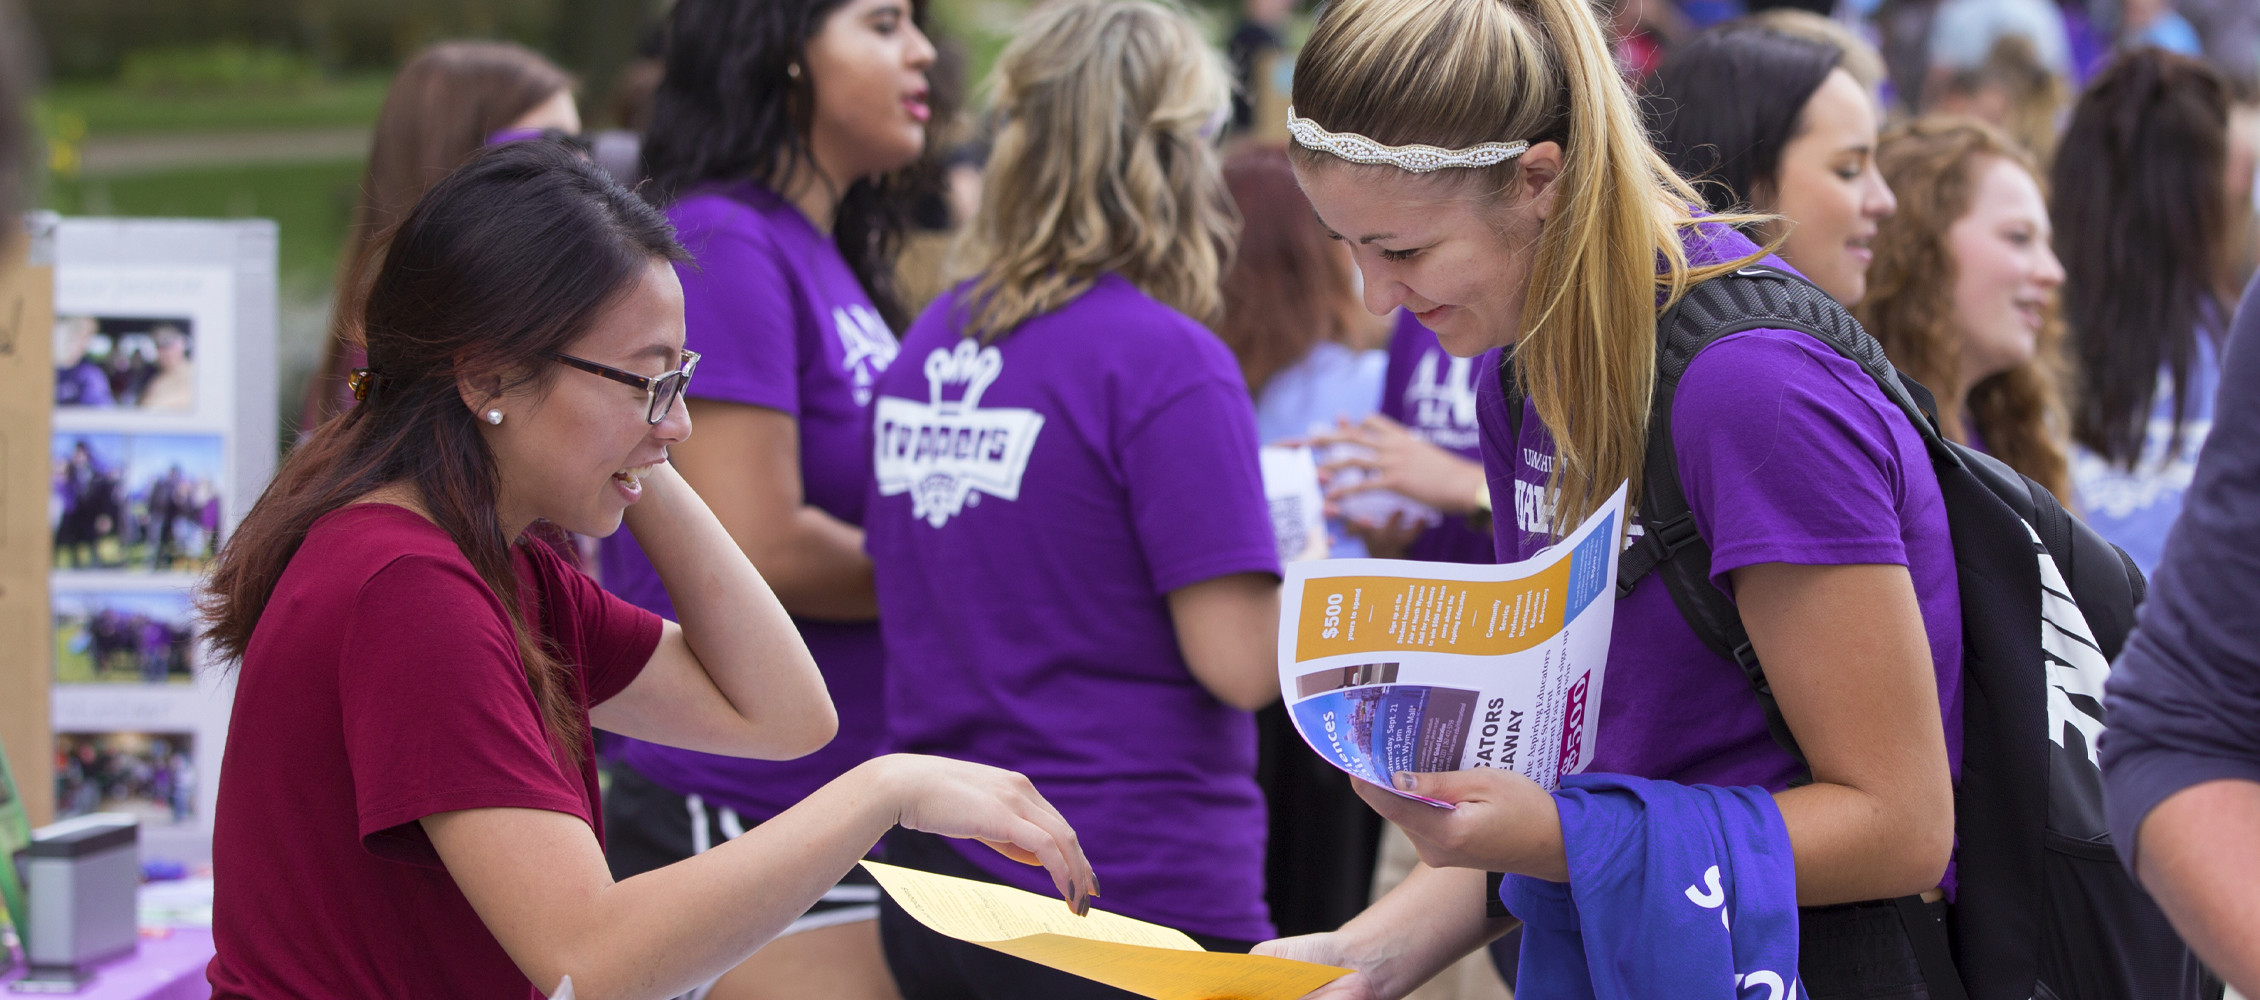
(439, 110)
(1726, 102)
(511, 256)
(729, 110)
(2141, 220)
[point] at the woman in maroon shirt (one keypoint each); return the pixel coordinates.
(410, 807)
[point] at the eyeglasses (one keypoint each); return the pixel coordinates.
(660, 393)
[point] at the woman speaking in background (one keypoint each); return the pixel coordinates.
(1092, 591)
(410, 808)
(442, 107)
(775, 140)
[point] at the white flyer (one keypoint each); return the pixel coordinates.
(1390, 665)
(1298, 506)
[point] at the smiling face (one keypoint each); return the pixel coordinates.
(172, 347)
(1458, 259)
(1828, 190)
(867, 66)
(572, 448)
(2006, 274)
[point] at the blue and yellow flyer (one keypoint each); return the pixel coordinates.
(1389, 665)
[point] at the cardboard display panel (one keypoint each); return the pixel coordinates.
(27, 389)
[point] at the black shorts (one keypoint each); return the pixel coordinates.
(929, 966)
(648, 827)
(1861, 951)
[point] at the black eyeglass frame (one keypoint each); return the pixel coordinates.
(660, 393)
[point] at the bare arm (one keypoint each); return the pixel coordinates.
(539, 882)
(746, 461)
(1845, 651)
(734, 678)
(2196, 850)
(1228, 628)
(1430, 920)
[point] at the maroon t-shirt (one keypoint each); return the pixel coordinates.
(383, 685)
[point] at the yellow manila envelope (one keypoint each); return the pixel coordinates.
(1147, 959)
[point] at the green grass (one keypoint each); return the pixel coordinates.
(311, 202)
(114, 109)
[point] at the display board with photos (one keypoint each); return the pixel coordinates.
(164, 431)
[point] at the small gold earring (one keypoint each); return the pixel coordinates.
(494, 417)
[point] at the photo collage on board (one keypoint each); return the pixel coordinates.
(138, 507)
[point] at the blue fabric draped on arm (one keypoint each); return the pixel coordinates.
(1674, 890)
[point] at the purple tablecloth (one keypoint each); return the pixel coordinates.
(168, 968)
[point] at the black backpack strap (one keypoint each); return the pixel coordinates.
(1756, 297)
(1752, 298)
(1934, 954)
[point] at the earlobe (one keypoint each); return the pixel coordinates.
(479, 395)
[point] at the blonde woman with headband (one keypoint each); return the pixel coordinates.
(1488, 167)
(1067, 525)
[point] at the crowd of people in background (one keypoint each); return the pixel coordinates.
(152, 774)
(169, 521)
(1916, 165)
(2041, 211)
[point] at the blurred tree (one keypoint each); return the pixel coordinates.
(92, 39)
(596, 38)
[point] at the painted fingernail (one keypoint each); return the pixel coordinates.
(1083, 906)
(1406, 781)
(1094, 883)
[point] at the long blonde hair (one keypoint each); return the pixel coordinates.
(1104, 162)
(1454, 73)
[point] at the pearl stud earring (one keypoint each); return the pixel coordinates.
(494, 417)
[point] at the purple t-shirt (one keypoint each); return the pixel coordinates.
(1788, 453)
(1433, 394)
(782, 324)
(1034, 502)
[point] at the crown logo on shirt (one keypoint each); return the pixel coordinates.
(949, 450)
(970, 367)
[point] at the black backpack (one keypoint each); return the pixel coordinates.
(2043, 909)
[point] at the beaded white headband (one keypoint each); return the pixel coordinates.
(1419, 159)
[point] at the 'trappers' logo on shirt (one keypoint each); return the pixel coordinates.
(867, 347)
(943, 450)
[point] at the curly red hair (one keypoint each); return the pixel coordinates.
(1933, 165)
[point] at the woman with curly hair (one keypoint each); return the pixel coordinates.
(1962, 293)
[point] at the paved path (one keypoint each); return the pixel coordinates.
(111, 157)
